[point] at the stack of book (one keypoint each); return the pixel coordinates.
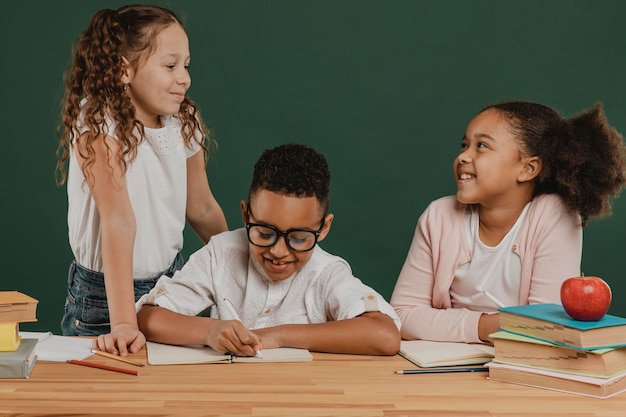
(17, 355)
(540, 345)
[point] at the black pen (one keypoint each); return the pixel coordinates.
(441, 371)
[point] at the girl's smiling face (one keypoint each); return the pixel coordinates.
(491, 165)
(158, 85)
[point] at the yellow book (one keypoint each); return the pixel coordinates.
(9, 337)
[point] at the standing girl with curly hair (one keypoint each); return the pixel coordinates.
(527, 182)
(137, 151)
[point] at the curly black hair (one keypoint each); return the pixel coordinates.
(583, 157)
(293, 169)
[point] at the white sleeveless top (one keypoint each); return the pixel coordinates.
(496, 269)
(157, 187)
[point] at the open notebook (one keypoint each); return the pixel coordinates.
(161, 354)
(427, 354)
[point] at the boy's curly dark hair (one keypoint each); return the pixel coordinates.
(583, 158)
(95, 72)
(293, 169)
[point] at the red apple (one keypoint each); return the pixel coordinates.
(585, 298)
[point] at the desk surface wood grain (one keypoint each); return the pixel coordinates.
(330, 385)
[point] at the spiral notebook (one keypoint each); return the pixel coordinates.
(163, 354)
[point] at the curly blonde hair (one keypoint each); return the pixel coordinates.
(95, 72)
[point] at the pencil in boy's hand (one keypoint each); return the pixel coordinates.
(116, 357)
(105, 367)
(235, 316)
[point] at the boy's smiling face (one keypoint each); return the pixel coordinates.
(284, 212)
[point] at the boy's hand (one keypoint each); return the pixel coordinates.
(123, 339)
(269, 336)
(232, 336)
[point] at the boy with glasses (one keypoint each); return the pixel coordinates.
(285, 289)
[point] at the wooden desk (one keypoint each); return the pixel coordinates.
(331, 385)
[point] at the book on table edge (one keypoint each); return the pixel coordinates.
(520, 350)
(164, 354)
(17, 307)
(20, 363)
(427, 354)
(551, 323)
(557, 381)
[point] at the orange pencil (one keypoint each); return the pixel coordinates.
(106, 367)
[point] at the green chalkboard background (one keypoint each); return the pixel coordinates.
(383, 88)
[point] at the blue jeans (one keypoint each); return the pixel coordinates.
(86, 308)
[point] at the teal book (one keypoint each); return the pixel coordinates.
(20, 363)
(551, 323)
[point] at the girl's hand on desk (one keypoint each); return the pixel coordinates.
(487, 324)
(123, 339)
(232, 336)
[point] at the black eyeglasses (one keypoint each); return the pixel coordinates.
(299, 240)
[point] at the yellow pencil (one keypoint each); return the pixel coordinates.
(118, 358)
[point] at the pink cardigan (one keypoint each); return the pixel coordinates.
(549, 244)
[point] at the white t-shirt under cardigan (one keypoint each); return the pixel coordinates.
(548, 243)
(496, 269)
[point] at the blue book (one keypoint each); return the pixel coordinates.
(551, 323)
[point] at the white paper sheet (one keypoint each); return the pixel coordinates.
(51, 347)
